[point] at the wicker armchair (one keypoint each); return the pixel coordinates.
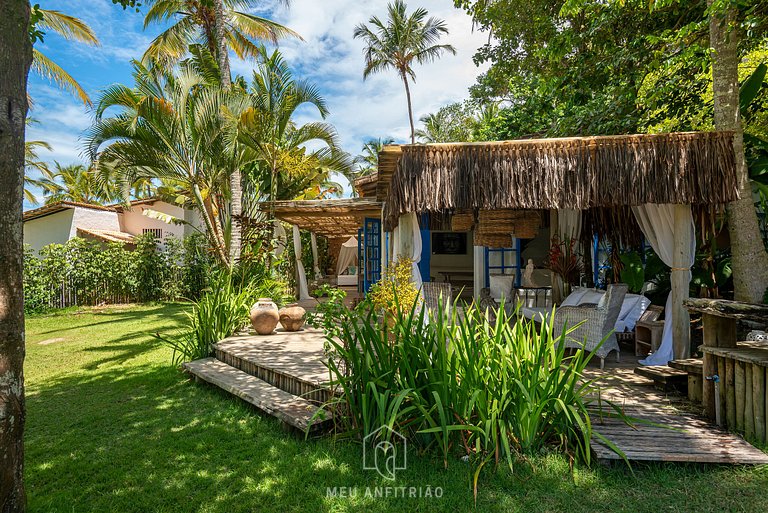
(598, 323)
(435, 293)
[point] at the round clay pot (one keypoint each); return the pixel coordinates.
(264, 316)
(292, 317)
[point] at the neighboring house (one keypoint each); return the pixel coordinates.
(59, 222)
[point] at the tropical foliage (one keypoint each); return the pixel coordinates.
(71, 29)
(76, 183)
(281, 164)
(87, 272)
(401, 42)
(367, 162)
(461, 385)
(193, 22)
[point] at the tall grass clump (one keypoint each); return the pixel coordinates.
(223, 309)
(460, 384)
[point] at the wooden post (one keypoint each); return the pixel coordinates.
(681, 279)
(721, 371)
(730, 395)
(749, 411)
(739, 391)
(758, 398)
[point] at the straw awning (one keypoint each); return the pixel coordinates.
(329, 218)
(583, 173)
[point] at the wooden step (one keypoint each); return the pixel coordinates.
(664, 378)
(689, 365)
(293, 362)
(292, 410)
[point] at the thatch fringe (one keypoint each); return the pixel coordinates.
(581, 173)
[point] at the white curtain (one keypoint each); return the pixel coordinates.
(301, 275)
(569, 223)
(280, 237)
(348, 255)
(315, 266)
(657, 222)
(407, 243)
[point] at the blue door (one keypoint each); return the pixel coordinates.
(426, 248)
(370, 246)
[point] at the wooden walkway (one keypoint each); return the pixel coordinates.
(294, 363)
(669, 427)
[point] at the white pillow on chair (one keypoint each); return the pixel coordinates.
(574, 298)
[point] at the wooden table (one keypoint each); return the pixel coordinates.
(464, 274)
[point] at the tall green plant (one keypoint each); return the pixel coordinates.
(466, 386)
(220, 313)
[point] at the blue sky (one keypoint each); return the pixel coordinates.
(328, 56)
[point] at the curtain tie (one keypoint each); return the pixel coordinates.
(680, 269)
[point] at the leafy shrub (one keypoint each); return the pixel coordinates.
(461, 384)
(87, 272)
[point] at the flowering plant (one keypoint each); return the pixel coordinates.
(563, 259)
(396, 290)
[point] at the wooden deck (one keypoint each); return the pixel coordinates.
(293, 362)
(669, 427)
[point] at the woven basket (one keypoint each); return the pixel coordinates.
(493, 240)
(527, 225)
(523, 224)
(462, 221)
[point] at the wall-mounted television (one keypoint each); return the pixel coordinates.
(449, 243)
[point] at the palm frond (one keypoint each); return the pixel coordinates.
(48, 69)
(68, 27)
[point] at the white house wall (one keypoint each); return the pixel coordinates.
(135, 222)
(93, 220)
(50, 229)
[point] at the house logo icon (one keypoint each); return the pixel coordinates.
(384, 451)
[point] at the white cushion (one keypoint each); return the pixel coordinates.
(536, 314)
(574, 297)
(591, 296)
(501, 286)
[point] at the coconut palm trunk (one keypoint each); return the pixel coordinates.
(750, 260)
(15, 60)
(410, 107)
(235, 180)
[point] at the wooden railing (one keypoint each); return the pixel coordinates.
(735, 373)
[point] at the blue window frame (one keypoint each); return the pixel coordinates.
(369, 251)
(426, 248)
(508, 261)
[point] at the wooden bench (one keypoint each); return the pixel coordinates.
(695, 369)
(664, 378)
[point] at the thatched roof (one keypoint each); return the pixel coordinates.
(330, 218)
(581, 172)
(366, 185)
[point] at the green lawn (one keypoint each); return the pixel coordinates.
(111, 427)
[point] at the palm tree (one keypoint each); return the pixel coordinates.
(195, 23)
(368, 161)
(71, 29)
(74, 182)
(283, 165)
(217, 25)
(400, 42)
(169, 128)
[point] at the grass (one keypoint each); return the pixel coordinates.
(111, 427)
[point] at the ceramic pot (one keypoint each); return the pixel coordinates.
(292, 317)
(264, 316)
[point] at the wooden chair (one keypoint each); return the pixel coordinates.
(648, 331)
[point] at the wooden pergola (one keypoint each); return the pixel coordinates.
(333, 218)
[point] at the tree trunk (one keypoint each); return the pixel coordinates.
(15, 59)
(750, 260)
(235, 180)
(410, 108)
